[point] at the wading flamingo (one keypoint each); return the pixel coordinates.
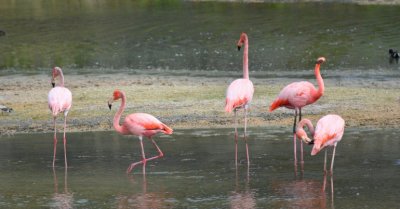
(239, 94)
(328, 132)
(138, 124)
(60, 100)
(297, 95)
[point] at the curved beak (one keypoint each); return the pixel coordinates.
(109, 102)
(307, 140)
(53, 84)
(239, 47)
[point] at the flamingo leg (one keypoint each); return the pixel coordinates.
(139, 162)
(55, 142)
(294, 142)
(144, 159)
(326, 153)
(65, 141)
(245, 138)
(236, 137)
(333, 158)
(301, 146)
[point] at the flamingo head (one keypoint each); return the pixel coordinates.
(321, 60)
(243, 38)
(116, 95)
(303, 136)
(316, 148)
(55, 73)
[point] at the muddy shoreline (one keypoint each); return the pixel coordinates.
(185, 102)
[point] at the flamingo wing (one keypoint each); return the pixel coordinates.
(145, 124)
(239, 93)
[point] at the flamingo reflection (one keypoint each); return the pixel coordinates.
(300, 194)
(62, 199)
(242, 198)
(144, 199)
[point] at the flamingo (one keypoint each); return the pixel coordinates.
(59, 100)
(138, 124)
(240, 93)
(297, 95)
(328, 132)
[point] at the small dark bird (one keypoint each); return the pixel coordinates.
(2, 33)
(394, 54)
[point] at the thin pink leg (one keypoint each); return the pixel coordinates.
(139, 162)
(55, 142)
(326, 153)
(55, 181)
(236, 139)
(65, 142)
(245, 137)
(144, 159)
(301, 157)
(333, 158)
(295, 154)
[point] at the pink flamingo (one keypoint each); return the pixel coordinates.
(329, 132)
(297, 95)
(139, 124)
(60, 100)
(240, 92)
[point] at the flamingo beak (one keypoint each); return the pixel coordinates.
(239, 47)
(53, 84)
(307, 140)
(110, 103)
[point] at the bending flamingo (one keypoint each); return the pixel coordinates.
(329, 132)
(60, 100)
(138, 124)
(297, 95)
(240, 93)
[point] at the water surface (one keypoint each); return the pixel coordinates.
(197, 171)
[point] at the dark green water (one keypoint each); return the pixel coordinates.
(183, 35)
(197, 172)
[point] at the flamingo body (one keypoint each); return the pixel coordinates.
(59, 100)
(239, 94)
(296, 95)
(143, 124)
(328, 132)
(138, 124)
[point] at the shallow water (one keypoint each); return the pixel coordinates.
(197, 171)
(186, 35)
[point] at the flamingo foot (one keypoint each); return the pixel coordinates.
(144, 161)
(130, 168)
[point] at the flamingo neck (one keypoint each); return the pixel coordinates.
(61, 77)
(117, 116)
(246, 59)
(321, 87)
(306, 122)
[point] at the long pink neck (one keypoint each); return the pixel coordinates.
(246, 59)
(321, 87)
(306, 122)
(61, 77)
(117, 116)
